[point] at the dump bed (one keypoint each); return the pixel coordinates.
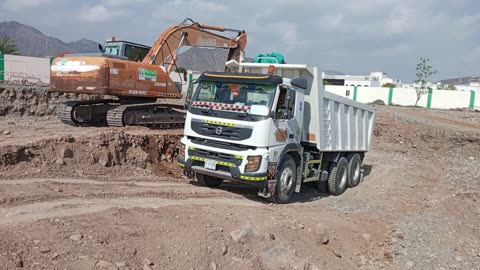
(336, 123)
(331, 123)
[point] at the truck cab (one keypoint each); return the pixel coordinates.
(258, 126)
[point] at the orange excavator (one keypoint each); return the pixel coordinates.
(136, 85)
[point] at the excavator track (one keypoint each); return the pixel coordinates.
(85, 112)
(153, 115)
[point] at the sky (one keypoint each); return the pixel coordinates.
(351, 36)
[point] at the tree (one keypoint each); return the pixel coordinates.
(423, 72)
(389, 84)
(7, 46)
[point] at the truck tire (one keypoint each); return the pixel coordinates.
(208, 181)
(354, 169)
(338, 178)
(286, 179)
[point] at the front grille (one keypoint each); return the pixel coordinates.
(226, 132)
(222, 145)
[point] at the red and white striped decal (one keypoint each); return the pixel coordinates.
(221, 106)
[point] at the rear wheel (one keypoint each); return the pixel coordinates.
(286, 179)
(354, 169)
(208, 181)
(338, 178)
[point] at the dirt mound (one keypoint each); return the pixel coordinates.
(33, 100)
(108, 152)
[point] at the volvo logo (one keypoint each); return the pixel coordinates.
(218, 130)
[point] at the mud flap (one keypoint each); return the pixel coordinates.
(298, 182)
(269, 190)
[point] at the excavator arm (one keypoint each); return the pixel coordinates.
(191, 33)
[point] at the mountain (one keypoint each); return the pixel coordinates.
(31, 42)
(461, 80)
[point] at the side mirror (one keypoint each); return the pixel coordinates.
(299, 82)
(100, 47)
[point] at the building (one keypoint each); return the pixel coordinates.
(375, 79)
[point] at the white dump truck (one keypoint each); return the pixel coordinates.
(273, 126)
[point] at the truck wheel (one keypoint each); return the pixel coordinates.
(208, 181)
(338, 178)
(286, 179)
(354, 169)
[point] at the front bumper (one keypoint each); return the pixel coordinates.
(228, 173)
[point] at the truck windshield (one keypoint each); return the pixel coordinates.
(254, 99)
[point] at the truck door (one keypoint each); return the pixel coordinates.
(288, 118)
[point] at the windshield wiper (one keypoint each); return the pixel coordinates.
(208, 110)
(246, 115)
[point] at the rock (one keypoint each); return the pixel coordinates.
(224, 249)
(277, 257)
(18, 260)
(57, 189)
(363, 260)
(66, 152)
(121, 264)
(471, 158)
(400, 235)
(367, 237)
(249, 233)
(147, 267)
(321, 234)
(213, 266)
(388, 256)
(458, 258)
(105, 265)
(301, 226)
(45, 250)
(147, 262)
(414, 146)
(59, 161)
(410, 265)
(6, 132)
(76, 237)
(54, 256)
(134, 251)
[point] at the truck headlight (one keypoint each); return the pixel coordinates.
(253, 163)
(181, 150)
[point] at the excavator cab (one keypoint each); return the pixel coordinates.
(129, 50)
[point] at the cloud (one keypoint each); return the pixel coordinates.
(350, 36)
(18, 5)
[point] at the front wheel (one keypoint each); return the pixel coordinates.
(286, 179)
(208, 181)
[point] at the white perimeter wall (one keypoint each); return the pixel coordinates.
(439, 99)
(32, 69)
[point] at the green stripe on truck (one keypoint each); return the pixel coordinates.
(2, 67)
(472, 99)
(355, 89)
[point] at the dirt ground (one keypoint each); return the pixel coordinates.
(113, 198)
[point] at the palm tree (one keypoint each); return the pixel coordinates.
(7, 46)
